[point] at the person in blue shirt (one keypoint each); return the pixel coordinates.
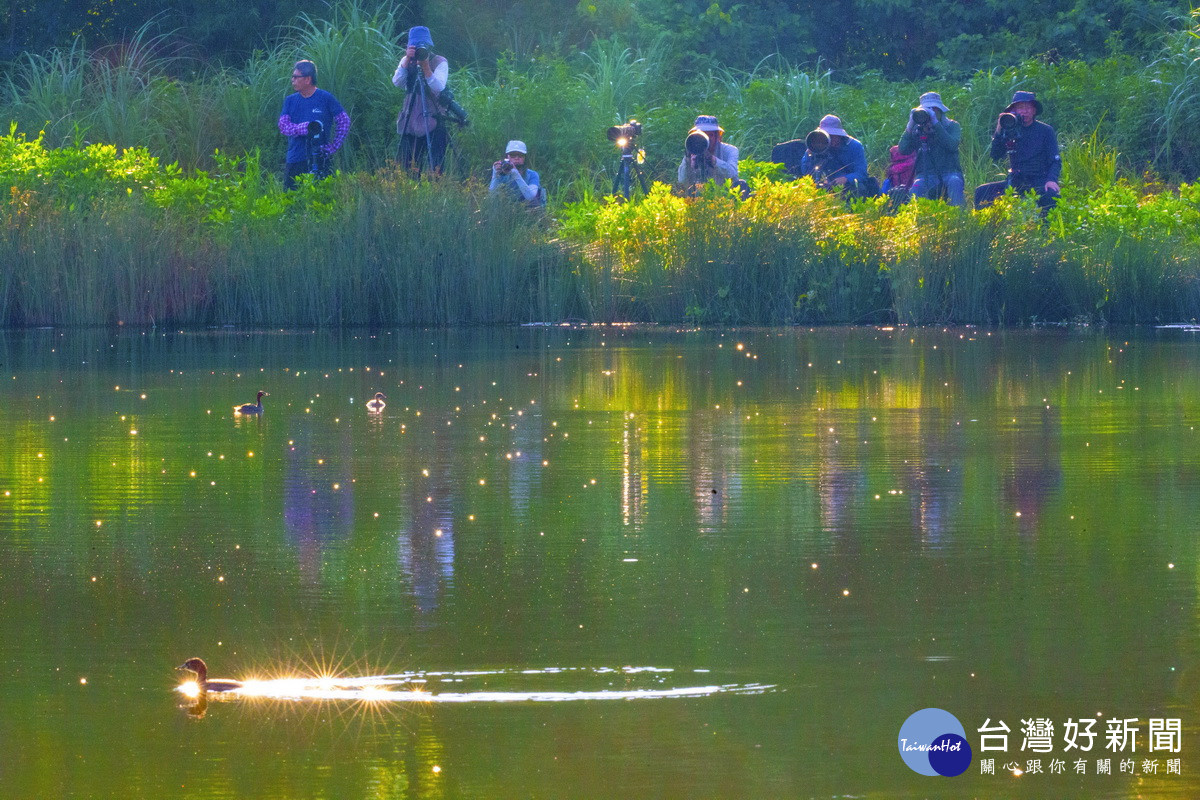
(315, 124)
(835, 159)
(524, 184)
(1031, 146)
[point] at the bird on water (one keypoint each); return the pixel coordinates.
(251, 408)
(376, 405)
(198, 666)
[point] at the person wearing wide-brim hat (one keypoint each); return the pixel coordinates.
(423, 75)
(834, 158)
(1031, 147)
(706, 156)
(935, 139)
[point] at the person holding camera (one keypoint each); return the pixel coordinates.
(706, 157)
(935, 138)
(510, 171)
(423, 75)
(315, 124)
(1031, 147)
(835, 159)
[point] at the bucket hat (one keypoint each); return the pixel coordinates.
(1025, 97)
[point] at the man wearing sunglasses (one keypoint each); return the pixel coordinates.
(315, 124)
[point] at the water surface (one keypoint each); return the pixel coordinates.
(629, 562)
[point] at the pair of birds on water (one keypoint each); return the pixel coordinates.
(374, 406)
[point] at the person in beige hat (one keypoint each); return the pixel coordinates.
(935, 139)
(524, 184)
(706, 156)
(835, 159)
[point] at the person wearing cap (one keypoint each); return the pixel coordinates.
(423, 75)
(717, 160)
(935, 140)
(1032, 150)
(302, 110)
(839, 160)
(524, 184)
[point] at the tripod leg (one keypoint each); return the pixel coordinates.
(625, 178)
(641, 180)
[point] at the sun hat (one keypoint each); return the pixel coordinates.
(516, 146)
(832, 125)
(418, 36)
(933, 100)
(707, 123)
(1025, 97)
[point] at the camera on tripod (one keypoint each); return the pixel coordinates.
(624, 135)
(696, 143)
(316, 133)
(921, 117)
(421, 53)
(454, 111)
(1010, 130)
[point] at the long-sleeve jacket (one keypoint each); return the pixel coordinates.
(1034, 160)
(848, 161)
(525, 186)
(937, 150)
(725, 167)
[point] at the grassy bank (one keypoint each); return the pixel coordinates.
(96, 236)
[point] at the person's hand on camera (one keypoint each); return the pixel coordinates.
(1051, 186)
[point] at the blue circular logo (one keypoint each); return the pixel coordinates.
(933, 742)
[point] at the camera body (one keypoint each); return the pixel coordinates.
(921, 117)
(623, 135)
(316, 132)
(505, 167)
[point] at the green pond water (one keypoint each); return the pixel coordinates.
(605, 562)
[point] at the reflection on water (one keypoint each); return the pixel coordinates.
(1000, 524)
(433, 687)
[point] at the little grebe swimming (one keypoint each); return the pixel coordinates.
(198, 666)
(376, 405)
(251, 408)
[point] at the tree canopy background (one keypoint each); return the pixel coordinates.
(899, 38)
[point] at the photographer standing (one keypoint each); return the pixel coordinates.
(315, 124)
(834, 158)
(423, 75)
(1032, 149)
(510, 171)
(935, 138)
(707, 158)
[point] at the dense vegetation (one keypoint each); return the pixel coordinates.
(173, 214)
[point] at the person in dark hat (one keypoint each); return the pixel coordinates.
(423, 75)
(934, 138)
(1032, 150)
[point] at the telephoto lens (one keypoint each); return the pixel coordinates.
(696, 143)
(817, 141)
(422, 53)
(1008, 121)
(921, 116)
